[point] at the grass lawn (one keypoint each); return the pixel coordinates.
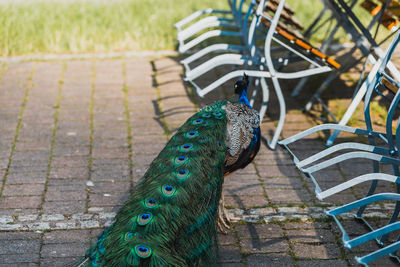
(77, 27)
(43, 26)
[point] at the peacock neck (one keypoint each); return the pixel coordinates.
(243, 98)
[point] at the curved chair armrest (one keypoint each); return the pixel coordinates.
(197, 14)
(355, 181)
(211, 49)
(362, 202)
(208, 22)
(350, 155)
(372, 235)
(378, 253)
(322, 127)
(342, 146)
(225, 59)
(185, 47)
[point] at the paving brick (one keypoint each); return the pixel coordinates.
(251, 230)
(111, 175)
(69, 161)
(269, 260)
(107, 199)
(229, 254)
(308, 251)
(277, 171)
(104, 187)
(75, 173)
(65, 249)
(60, 262)
(19, 247)
(288, 196)
(310, 235)
(26, 177)
(321, 263)
(245, 201)
(23, 190)
(64, 207)
(264, 245)
(227, 239)
(283, 182)
(70, 236)
(19, 259)
(243, 189)
(54, 195)
(20, 202)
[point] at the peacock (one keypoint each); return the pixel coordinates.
(172, 216)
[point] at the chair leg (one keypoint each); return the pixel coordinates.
(265, 98)
(282, 113)
(395, 214)
(255, 91)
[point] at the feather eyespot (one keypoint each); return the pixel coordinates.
(144, 218)
(198, 122)
(143, 251)
(180, 160)
(151, 203)
(168, 190)
(218, 115)
(129, 236)
(182, 174)
(191, 134)
(186, 147)
(206, 115)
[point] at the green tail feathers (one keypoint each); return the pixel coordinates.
(170, 218)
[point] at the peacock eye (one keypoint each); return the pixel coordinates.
(143, 251)
(186, 147)
(151, 203)
(180, 160)
(182, 171)
(144, 218)
(198, 121)
(169, 188)
(192, 133)
(129, 236)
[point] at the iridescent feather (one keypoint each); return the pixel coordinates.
(171, 217)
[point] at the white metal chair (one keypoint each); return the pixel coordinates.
(388, 153)
(259, 63)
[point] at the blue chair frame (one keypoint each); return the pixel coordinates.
(389, 153)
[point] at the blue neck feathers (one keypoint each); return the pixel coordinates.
(243, 98)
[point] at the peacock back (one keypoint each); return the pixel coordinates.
(170, 219)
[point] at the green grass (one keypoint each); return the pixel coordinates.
(76, 27)
(37, 27)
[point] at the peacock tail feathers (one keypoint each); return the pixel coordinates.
(170, 219)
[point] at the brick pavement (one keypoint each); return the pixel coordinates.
(77, 135)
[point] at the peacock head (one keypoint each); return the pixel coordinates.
(241, 90)
(242, 84)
